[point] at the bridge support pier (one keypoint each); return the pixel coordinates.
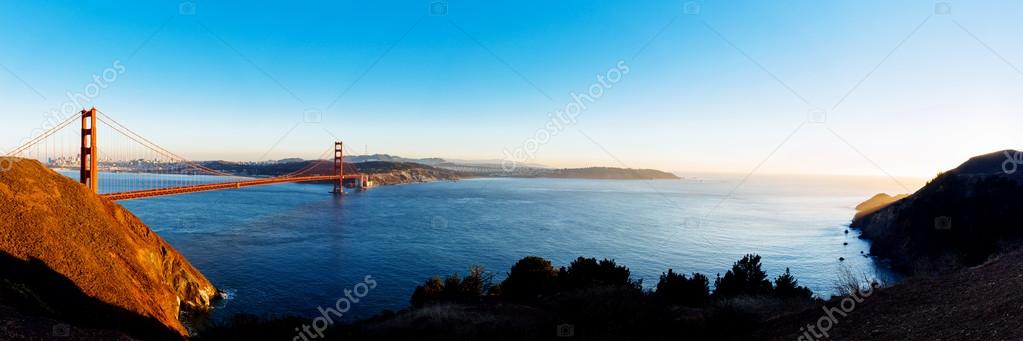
(339, 167)
(90, 153)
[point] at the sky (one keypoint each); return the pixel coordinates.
(881, 88)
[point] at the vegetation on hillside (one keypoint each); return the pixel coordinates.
(595, 299)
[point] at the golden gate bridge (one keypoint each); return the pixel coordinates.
(132, 167)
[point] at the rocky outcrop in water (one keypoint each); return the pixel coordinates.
(68, 254)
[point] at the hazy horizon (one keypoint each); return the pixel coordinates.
(689, 173)
(848, 88)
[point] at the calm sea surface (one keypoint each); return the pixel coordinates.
(289, 249)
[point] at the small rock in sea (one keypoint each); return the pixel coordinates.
(861, 252)
(845, 243)
(846, 231)
(841, 259)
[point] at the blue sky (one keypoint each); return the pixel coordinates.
(727, 87)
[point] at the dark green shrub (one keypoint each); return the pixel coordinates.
(530, 278)
(454, 289)
(429, 291)
(476, 283)
(585, 273)
(675, 288)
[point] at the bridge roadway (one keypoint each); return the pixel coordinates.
(218, 186)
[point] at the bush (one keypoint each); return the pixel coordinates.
(585, 273)
(530, 278)
(745, 278)
(477, 283)
(453, 288)
(786, 285)
(429, 291)
(675, 288)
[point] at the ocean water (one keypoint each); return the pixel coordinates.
(289, 249)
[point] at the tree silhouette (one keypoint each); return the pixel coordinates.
(530, 278)
(675, 288)
(588, 272)
(786, 285)
(746, 278)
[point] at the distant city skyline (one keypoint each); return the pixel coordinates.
(874, 88)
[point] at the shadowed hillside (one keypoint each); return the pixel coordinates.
(73, 255)
(962, 217)
(39, 303)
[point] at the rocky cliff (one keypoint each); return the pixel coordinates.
(69, 254)
(398, 177)
(962, 217)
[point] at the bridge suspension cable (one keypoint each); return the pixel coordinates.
(127, 165)
(142, 140)
(42, 137)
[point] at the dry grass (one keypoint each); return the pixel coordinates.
(102, 248)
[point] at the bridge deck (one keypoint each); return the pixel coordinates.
(149, 193)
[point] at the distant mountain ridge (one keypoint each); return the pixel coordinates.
(430, 161)
(380, 172)
(604, 173)
(391, 158)
(441, 168)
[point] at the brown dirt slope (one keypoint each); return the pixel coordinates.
(979, 303)
(51, 221)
